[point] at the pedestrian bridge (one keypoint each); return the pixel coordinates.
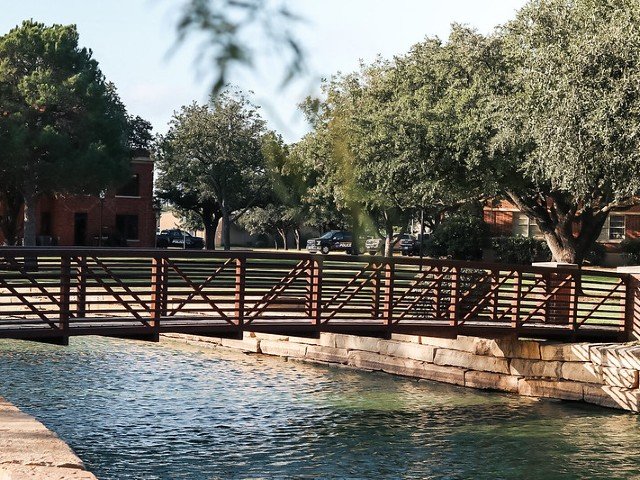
(55, 293)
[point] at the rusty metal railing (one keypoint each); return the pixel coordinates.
(60, 292)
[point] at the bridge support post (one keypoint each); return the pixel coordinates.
(387, 296)
(315, 291)
(455, 297)
(65, 298)
(81, 288)
(561, 289)
(376, 297)
(516, 302)
(631, 303)
(239, 297)
(158, 294)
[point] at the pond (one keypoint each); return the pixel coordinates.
(135, 410)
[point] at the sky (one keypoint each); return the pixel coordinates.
(134, 42)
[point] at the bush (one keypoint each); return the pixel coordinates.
(460, 237)
(631, 251)
(520, 250)
(596, 255)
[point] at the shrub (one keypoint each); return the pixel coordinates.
(520, 250)
(596, 255)
(460, 237)
(631, 251)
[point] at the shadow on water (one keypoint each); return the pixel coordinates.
(172, 411)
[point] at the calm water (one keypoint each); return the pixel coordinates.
(146, 411)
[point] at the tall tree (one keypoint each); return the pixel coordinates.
(405, 138)
(570, 117)
(177, 186)
(213, 154)
(70, 124)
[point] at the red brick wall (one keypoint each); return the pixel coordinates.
(500, 223)
(62, 209)
(632, 226)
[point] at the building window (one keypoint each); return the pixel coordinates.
(127, 226)
(131, 188)
(525, 227)
(613, 229)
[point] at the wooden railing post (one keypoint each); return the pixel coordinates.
(495, 298)
(437, 298)
(574, 292)
(239, 297)
(158, 292)
(315, 291)
(516, 302)
(631, 308)
(455, 297)
(65, 294)
(81, 287)
(387, 293)
(376, 291)
(560, 287)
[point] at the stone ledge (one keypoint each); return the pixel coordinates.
(563, 390)
(283, 349)
(616, 355)
(469, 361)
(491, 381)
(535, 368)
(29, 450)
(585, 372)
(406, 367)
(32, 472)
(414, 351)
(565, 352)
(501, 347)
(612, 397)
(327, 354)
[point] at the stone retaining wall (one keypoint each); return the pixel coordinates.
(602, 374)
(28, 450)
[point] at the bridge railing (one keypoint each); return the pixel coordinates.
(62, 291)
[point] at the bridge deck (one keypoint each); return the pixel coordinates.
(53, 294)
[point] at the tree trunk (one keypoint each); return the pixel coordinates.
(226, 227)
(283, 236)
(30, 220)
(296, 234)
(388, 239)
(557, 218)
(211, 222)
(9, 220)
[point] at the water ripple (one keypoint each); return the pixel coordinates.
(145, 411)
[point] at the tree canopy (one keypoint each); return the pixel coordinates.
(544, 111)
(569, 117)
(68, 129)
(212, 157)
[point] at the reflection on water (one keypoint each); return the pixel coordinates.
(147, 411)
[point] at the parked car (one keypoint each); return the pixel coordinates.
(178, 238)
(332, 241)
(406, 244)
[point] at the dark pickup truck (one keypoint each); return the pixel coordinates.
(178, 238)
(332, 241)
(406, 244)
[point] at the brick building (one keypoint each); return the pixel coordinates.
(128, 214)
(504, 219)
